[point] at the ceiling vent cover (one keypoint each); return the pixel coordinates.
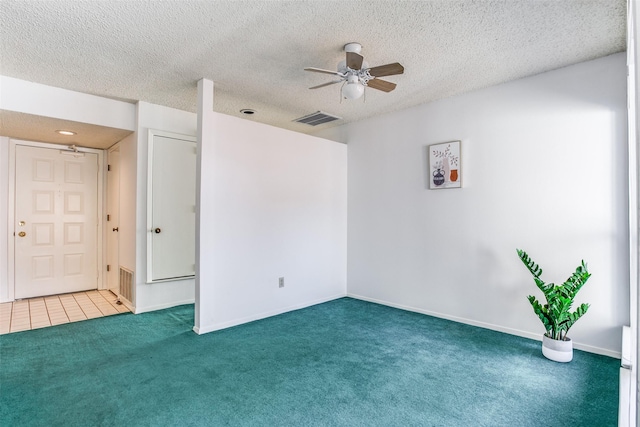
(317, 118)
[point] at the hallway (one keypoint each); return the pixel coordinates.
(41, 312)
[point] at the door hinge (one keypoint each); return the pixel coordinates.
(108, 217)
(108, 168)
(108, 267)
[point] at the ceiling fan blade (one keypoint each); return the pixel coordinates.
(386, 70)
(354, 60)
(326, 84)
(320, 70)
(382, 85)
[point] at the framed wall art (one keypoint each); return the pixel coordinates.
(444, 165)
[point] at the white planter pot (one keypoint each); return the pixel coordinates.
(556, 350)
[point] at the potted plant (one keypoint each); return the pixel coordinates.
(556, 315)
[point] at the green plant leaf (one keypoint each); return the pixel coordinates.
(528, 262)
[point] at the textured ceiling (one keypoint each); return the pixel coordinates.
(255, 51)
(38, 128)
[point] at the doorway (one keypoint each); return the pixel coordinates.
(56, 215)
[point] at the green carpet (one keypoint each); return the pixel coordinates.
(342, 363)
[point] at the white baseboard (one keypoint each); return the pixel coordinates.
(140, 310)
(498, 328)
(224, 325)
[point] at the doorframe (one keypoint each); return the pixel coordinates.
(100, 250)
(107, 209)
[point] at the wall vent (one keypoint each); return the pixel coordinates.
(126, 284)
(317, 118)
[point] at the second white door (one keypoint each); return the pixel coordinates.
(172, 203)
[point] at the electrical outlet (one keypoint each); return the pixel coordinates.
(281, 282)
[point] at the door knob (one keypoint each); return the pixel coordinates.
(157, 230)
(22, 234)
(116, 229)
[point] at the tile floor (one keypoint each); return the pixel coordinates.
(34, 313)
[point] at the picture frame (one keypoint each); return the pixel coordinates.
(445, 167)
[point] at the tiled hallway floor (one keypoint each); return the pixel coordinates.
(34, 313)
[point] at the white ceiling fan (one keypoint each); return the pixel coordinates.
(355, 74)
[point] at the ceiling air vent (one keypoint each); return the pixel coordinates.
(317, 118)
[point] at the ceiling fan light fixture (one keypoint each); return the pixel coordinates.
(352, 90)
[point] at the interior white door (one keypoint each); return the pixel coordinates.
(173, 204)
(56, 221)
(113, 220)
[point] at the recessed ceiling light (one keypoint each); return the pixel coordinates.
(248, 111)
(65, 132)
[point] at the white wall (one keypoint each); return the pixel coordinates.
(633, 44)
(4, 203)
(544, 169)
(48, 101)
(154, 296)
(277, 208)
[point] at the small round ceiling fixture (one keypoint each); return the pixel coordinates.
(248, 111)
(66, 132)
(353, 47)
